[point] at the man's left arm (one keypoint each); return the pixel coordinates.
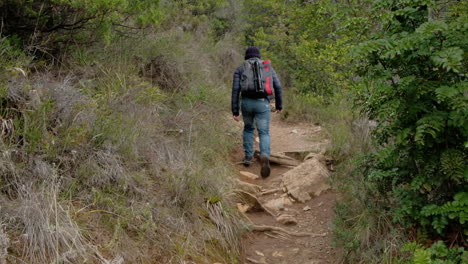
(235, 94)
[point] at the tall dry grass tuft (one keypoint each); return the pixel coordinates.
(4, 244)
(46, 228)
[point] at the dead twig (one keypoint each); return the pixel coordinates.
(278, 235)
(262, 228)
(254, 261)
(270, 191)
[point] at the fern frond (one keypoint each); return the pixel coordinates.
(453, 164)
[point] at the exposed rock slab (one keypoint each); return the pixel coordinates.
(306, 180)
(278, 204)
(247, 187)
(287, 220)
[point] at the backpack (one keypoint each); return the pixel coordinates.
(257, 78)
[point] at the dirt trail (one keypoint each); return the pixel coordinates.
(314, 216)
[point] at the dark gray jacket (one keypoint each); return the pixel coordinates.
(236, 91)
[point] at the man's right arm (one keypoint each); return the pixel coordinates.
(236, 92)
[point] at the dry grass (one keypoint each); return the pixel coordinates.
(4, 244)
(124, 168)
(41, 220)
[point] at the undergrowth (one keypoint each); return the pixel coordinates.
(119, 156)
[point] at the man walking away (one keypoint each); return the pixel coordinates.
(256, 82)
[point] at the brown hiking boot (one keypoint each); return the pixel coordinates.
(265, 163)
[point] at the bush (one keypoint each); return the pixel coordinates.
(438, 253)
(413, 86)
(44, 28)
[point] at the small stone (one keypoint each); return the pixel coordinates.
(242, 207)
(276, 204)
(277, 254)
(259, 253)
(307, 208)
(257, 139)
(249, 175)
(294, 131)
(287, 201)
(295, 251)
(320, 204)
(287, 220)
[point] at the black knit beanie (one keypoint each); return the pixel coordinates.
(251, 52)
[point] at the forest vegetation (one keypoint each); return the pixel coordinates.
(116, 132)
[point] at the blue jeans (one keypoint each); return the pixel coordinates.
(257, 110)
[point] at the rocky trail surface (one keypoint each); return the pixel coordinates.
(291, 211)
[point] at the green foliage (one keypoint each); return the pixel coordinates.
(48, 27)
(414, 87)
(438, 253)
(309, 41)
(456, 209)
(12, 61)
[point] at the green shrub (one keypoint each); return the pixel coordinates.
(414, 87)
(438, 253)
(49, 27)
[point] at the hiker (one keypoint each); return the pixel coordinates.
(255, 81)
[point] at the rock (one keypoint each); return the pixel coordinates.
(320, 157)
(307, 208)
(287, 201)
(248, 201)
(243, 208)
(275, 204)
(249, 175)
(257, 139)
(287, 220)
(259, 253)
(307, 180)
(277, 254)
(278, 204)
(248, 187)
